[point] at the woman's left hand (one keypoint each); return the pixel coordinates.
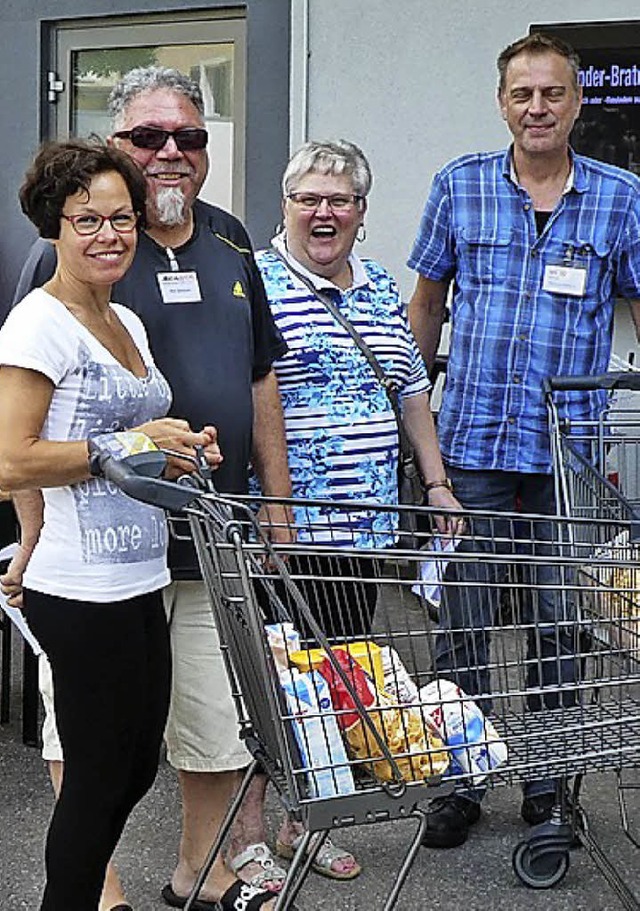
(447, 524)
(176, 437)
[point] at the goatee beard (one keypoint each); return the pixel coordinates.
(170, 206)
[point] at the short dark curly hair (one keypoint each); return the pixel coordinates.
(61, 169)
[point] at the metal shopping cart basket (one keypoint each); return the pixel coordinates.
(342, 696)
(597, 472)
(290, 733)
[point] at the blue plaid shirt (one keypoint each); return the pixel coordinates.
(478, 228)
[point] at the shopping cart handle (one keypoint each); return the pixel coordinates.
(153, 491)
(625, 379)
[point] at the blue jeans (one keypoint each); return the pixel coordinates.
(471, 597)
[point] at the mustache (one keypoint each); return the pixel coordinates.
(155, 172)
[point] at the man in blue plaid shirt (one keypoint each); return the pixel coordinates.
(537, 242)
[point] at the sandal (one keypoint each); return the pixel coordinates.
(259, 854)
(238, 897)
(174, 900)
(325, 858)
(243, 897)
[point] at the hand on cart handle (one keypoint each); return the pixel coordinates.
(278, 525)
(175, 438)
(132, 461)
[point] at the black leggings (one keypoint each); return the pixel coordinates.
(111, 669)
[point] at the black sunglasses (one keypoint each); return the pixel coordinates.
(189, 139)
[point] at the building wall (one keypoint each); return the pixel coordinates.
(21, 111)
(414, 82)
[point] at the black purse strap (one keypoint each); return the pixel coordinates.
(406, 449)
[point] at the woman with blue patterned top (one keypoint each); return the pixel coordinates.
(342, 435)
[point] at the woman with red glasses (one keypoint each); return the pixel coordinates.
(75, 367)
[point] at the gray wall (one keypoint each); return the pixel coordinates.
(20, 106)
(414, 82)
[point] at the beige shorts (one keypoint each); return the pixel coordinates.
(202, 728)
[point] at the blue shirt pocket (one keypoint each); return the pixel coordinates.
(484, 255)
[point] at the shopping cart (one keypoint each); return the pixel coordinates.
(344, 703)
(597, 471)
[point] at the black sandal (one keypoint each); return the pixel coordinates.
(243, 897)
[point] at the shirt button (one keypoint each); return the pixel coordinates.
(516, 378)
(522, 337)
(511, 420)
(534, 253)
(527, 206)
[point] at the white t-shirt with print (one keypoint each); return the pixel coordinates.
(96, 544)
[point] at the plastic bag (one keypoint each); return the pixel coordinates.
(412, 740)
(474, 743)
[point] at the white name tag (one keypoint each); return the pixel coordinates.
(179, 287)
(571, 280)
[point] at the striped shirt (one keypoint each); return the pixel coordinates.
(341, 432)
(508, 334)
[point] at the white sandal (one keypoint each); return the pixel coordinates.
(259, 854)
(328, 854)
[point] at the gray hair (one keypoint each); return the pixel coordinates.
(150, 79)
(330, 157)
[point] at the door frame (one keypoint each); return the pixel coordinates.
(225, 26)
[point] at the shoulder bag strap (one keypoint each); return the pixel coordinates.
(392, 394)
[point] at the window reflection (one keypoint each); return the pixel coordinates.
(96, 71)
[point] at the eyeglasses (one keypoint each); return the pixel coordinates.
(189, 139)
(87, 224)
(337, 203)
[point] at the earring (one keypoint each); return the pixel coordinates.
(279, 228)
(361, 234)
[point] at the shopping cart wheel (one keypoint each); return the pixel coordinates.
(538, 866)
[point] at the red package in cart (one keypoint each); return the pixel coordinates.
(341, 699)
(418, 751)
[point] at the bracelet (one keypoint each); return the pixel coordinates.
(95, 468)
(445, 482)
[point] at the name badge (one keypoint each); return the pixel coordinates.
(564, 279)
(179, 287)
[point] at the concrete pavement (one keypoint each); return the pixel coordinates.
(476, 877)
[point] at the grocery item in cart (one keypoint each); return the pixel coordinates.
(317, 733)
(471, 738)
(366, 653)
(283, 639)
(397, 681)
(412, 739)
(612, 593)
(624, 605)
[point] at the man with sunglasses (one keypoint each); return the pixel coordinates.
(197, 289)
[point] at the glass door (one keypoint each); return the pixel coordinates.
(90, 57)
